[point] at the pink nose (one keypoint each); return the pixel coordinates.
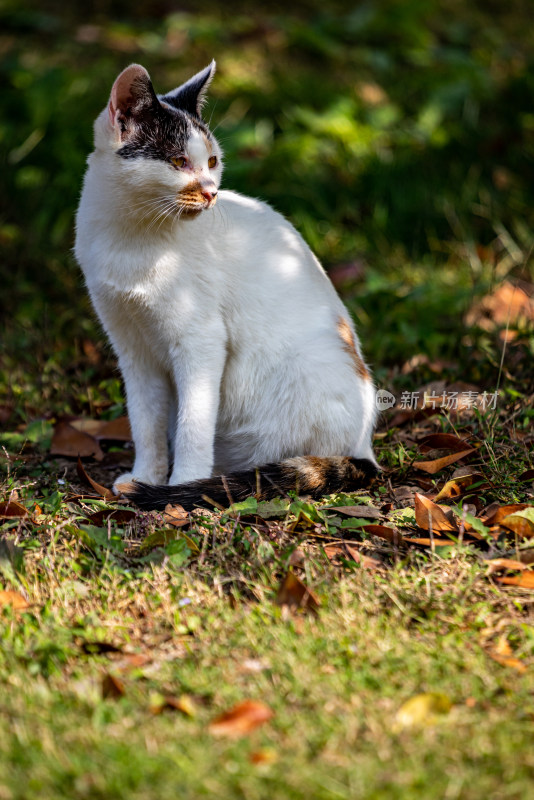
(209, 194)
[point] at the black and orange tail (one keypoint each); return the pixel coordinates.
(306, 475)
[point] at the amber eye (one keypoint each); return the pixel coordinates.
(179, 161)
(212, 162)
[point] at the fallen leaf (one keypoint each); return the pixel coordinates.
(117, 430)
(13, 599)
(175, 515)
(241, 720)
(264, 756)
(107, 494)
(506, 305)
(498, 564)
(444, 441)
(131, 661)
(523, 581)
(9, 509)
(295, 594)
(527, 475)
(365, 561)
(438, 464)
(495, 515)
(423, 709)
(72, 443)
(183, 703)
(459, 486)
(428, 514)
(429, 542)
(112, 687)
(344, 550)
(521, 523)
(385, 532)
(508, 661)
(163, 537)
(367, 512)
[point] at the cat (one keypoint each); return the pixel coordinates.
(241, 365)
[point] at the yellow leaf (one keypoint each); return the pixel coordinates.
(423, 709)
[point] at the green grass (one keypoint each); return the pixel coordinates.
(335, 685)
(200, 605)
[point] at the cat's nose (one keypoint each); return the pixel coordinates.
(209, 194)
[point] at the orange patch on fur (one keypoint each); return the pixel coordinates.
(349, 345)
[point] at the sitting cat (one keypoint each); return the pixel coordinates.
(232, 342)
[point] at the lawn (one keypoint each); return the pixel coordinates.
(377, 644)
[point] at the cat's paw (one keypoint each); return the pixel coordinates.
(122, 485)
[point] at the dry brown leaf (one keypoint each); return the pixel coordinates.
(444, 441)
(86, 425)
(9, 509)
(116, 430)
(385, 532)
(13, 599)
(527, 475)
(428, 514)
(175, 515)
(365, 561)
(508, 304)
(72, 443)
(459, 486)
(494, 516)
(264, 756)
(344, 550)
(508, 661)
(440, 463)
(503, 654)
(428, 542)
(107, 494)
(112, 687)
(130, 661)
(498, 564)
(295, 594)
(241, 720)
(524, 581)
(521, 526)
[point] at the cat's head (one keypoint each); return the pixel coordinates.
(162, 149)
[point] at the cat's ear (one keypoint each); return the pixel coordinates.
(190, 96)
(132, 96)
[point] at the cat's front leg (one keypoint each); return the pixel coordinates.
(198, 366)
(148, 396)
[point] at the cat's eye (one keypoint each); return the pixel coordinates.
(212, 162)
(179, 161)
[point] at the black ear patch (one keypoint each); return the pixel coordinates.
(190, 97)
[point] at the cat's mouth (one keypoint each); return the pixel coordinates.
(192, 204)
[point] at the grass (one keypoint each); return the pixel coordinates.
(192, 612)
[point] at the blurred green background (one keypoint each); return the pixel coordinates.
(397, 136)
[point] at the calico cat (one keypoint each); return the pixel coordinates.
(238, 358)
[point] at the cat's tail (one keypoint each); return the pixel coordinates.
(307, 475)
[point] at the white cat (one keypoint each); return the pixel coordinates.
(231, 340)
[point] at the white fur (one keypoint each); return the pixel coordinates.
(225, 323)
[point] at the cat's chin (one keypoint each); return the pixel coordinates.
(191, 213)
